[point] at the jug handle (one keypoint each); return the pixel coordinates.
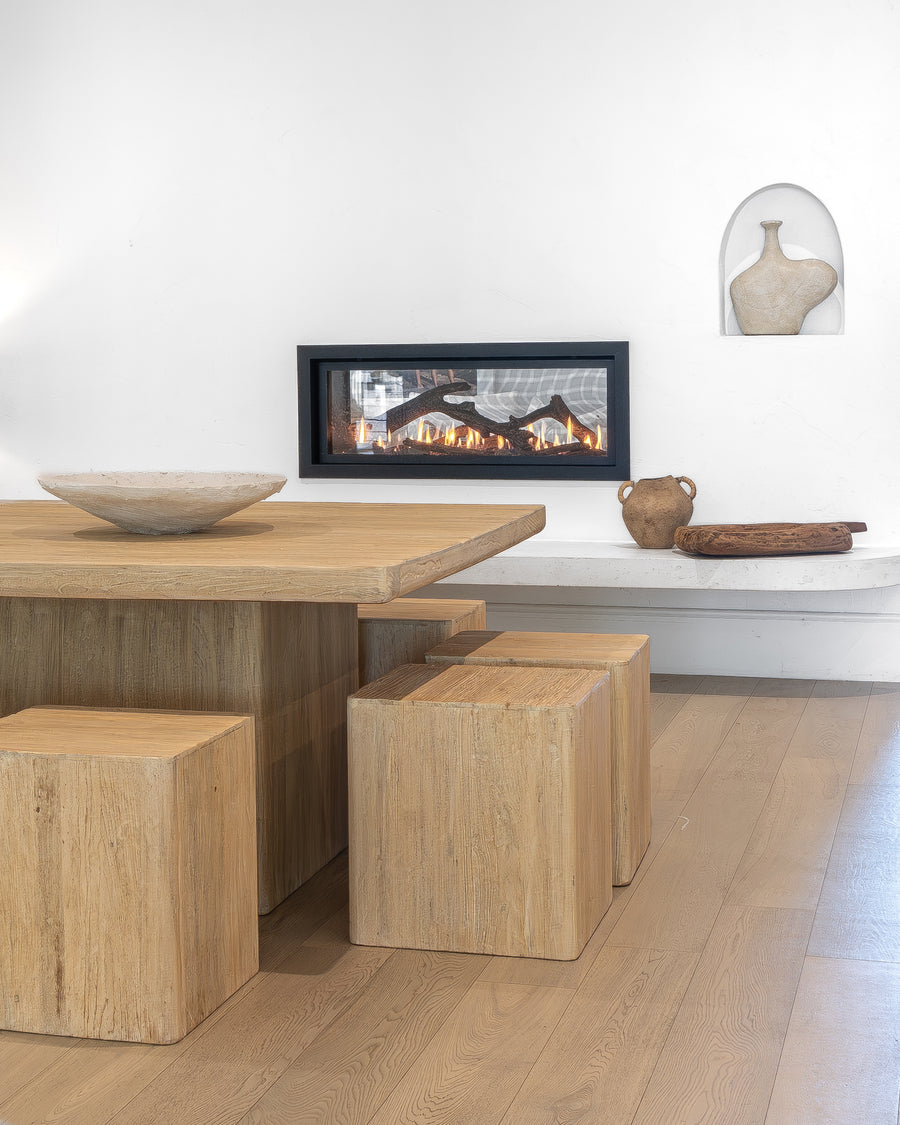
(687, 480)
(622, 487)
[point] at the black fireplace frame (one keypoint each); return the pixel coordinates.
(315, 360)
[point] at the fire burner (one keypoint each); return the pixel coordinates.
(465, 410)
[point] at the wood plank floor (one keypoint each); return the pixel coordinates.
(749, 975)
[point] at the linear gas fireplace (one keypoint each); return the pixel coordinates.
(502, 411)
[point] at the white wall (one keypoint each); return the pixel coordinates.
(192, 188)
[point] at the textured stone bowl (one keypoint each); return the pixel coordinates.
(162, 503)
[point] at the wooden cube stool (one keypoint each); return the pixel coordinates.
(479, 810)
(402, 631)
(129, 870)
(627, 659)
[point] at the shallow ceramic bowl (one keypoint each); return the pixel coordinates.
(162, 503)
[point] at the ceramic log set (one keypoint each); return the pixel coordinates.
(654, 507)
(773, 296)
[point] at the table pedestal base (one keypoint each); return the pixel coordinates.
(289, 664)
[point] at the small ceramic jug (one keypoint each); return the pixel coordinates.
(655, 507)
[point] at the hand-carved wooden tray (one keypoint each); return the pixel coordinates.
(737, 539)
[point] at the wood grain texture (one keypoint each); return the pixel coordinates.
(683, 751)
(599, 1059)
(251, 1044)
(831, 724)
(274, 551)
(298, 917)
(841, 1057)
(745, 539)
(130, 875)
(786, 859)
(627, 660)
(93, 1081)
(859, 909)
(679, 898)
(402, 631)
(224, 1073)
(720, 1057)
(290, 665)
(376, 1019)
(877, 760)
(571, 974)
(663, 709)
(470, 1071)
(25, 1059)
(358, 1060)
(479, 809)
(101, 1079)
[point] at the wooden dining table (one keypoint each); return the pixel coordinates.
(255, 615)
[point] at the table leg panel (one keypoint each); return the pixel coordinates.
(290, 665)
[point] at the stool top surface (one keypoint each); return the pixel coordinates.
(419, 609)
(85, 731)
(507, 686)
(563, 650)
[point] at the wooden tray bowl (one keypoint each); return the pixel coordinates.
(735, 540)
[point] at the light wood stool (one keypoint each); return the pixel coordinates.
(479, 810)
(402, 631)
(627, 659)
(129, 873)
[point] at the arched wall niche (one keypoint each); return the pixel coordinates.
(807, 231)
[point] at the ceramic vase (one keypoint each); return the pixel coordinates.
(773, 296)
(655, 507)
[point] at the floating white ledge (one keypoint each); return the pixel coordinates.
(540, 562)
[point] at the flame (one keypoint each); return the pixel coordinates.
(462, 436)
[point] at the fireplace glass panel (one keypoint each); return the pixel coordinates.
(495, 415)
(385, 411)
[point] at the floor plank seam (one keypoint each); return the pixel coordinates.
(668, 1035)
(806, 955)
(673, 716)
(727, 890)
(13, 1093)
(503, 1120)
(235, 1001)
(838, 819)
(722, 741)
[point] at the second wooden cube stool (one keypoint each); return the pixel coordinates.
(402, 631)
(626, 657)
(479, 810)
(129, 870)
